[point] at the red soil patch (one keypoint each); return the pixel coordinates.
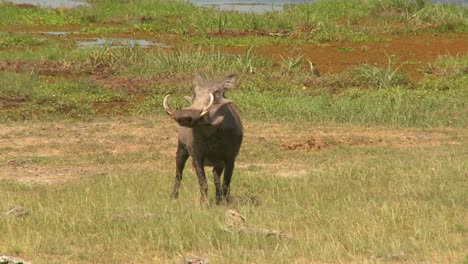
(412, 51)
(25, 5)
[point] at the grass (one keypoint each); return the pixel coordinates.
(408, 211)
(362, 165)
(8, 40)
(14, 15)
(393, 107)
(382, 78)
(31, 97)
(321, 21)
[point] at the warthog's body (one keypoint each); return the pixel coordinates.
(211, 133)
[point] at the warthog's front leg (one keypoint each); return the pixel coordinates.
(198, 165)
(181, 157)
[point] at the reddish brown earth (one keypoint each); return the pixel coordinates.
(412, 51)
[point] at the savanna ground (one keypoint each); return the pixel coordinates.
(355, 122)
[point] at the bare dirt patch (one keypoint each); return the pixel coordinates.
(322, 142)
(393, 139)
(313, 144)
(44, 67)
(59, 152)
(320, 138)
(54, 152)
(11, 101)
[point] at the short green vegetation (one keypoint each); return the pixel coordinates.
(366, 94)
(12, 40)
(320, 21)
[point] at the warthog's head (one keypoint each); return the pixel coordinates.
(206, 101)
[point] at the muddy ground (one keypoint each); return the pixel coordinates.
(413, 52)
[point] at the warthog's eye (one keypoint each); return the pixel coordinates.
(217, 95)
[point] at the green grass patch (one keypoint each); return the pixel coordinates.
(11, 14)
(396, 106)
(33, 97)
(268, 91)
(320, 21)
(8, 40)
(446, 73)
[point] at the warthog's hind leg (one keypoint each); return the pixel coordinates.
(227, 179)
(217, 171)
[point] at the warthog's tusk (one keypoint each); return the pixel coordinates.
(166, 106)
(208, 107)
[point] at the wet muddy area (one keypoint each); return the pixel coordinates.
(410, 52)
(74, 36)
(92, 41)
(256, 6)
(118, 43)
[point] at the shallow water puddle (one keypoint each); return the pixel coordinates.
(55, 33)
(118, 43)
(92, 42)
(256, 6)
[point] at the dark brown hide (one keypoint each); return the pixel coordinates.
(211, 133)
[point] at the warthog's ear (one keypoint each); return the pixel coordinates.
(188, 98)
(230, 81)
(217, 121)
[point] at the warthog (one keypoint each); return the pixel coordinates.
(211, 133)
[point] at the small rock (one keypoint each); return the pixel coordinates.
(15, 211)
(12, 260)
(197, 260)
(235, 222)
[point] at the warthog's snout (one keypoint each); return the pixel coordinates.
(187, 118)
